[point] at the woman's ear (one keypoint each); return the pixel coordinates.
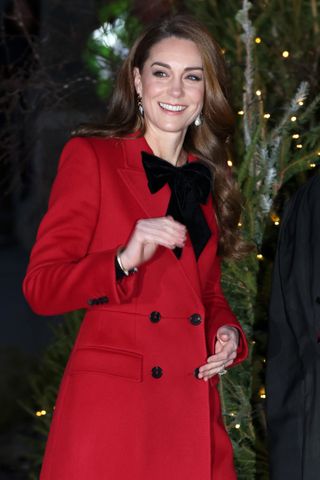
(137, 81)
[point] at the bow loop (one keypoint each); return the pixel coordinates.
(190, 186)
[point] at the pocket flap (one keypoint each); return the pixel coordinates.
(107, 360)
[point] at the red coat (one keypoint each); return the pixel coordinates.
(114, 419)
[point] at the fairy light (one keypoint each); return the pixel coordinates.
(40, 413)
(267, 115)
(318, 153)
(258, 40)
(299, 145)
(285, 54)
(237, 426)
(295, 136)
(258, 93)
(262, 392)
(312, 165)
(239, 224)
(259, 256)
(240, 112)
(293, 118)
(275, 218)
(300, 103)
(229, 162)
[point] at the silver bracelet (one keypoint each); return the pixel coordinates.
(125, 271)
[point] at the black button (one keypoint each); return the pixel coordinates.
(155, 317)
(195, 319)
(156, 372)
(318, 299)
(104, 300)
(92, 301)
(196, 373)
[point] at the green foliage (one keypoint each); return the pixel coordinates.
(45, 382)
(109, 44)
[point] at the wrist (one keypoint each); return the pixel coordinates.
(123, 263)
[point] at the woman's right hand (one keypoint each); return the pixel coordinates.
(148, 234)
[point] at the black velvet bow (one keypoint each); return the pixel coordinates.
(190, 186)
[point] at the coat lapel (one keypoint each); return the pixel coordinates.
(155, 205)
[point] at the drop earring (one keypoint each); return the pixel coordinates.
(198, 120)
(140, 106)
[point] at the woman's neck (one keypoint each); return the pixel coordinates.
(167, 145)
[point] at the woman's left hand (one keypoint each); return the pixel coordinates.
(225, 352)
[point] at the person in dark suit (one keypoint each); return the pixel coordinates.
(293, 365)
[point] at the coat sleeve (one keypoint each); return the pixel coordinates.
(62, 275)
(219, 313)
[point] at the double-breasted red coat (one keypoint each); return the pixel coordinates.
(130, 405)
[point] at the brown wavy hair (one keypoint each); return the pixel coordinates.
(208, 141)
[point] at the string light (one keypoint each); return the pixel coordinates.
(293, 118)
(285, 54)
(237, 426)
(240, 112)
(258, 40)
(295, 135)
(300, 103)
(258, 93)
(275, 218)
(229, 162)
(262, 392)
(312, 165)
(239, 224)
(318, 154)
(299, 145)
(259, 256)
(41, 413)
(267, 115)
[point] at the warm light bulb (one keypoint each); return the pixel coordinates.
(38, 414)
(237, 426)
(229, 162)
(239, 224)
(43, 412)
(293, 118)
(262, 392)
(241, 112)
(285, 54)
(258, 93)
(301, 103)
(312, 165)
(295, 135)
(267, 115)
(299, 145)
(318, 154)
(259, 256)
(258, 40)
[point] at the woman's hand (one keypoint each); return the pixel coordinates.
(148, 234)
(225, 352)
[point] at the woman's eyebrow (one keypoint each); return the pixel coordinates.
(165, 65)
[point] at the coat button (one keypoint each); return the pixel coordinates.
(156, 372)
(155, 317)
(92, 301)
(195, 319)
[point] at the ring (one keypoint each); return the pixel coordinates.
(223, 372)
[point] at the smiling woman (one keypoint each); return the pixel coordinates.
(140, 212)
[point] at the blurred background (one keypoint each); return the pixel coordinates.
(58, 60)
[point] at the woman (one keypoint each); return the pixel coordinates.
(131, 234)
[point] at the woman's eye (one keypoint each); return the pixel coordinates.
(159, 73)
(195, 78)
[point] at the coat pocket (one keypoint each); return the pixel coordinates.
(107, 360)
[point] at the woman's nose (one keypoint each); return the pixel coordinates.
(176, 87)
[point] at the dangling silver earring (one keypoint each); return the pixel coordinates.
(140, 106)
(198, 120)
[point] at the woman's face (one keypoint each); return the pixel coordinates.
(171, 85)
